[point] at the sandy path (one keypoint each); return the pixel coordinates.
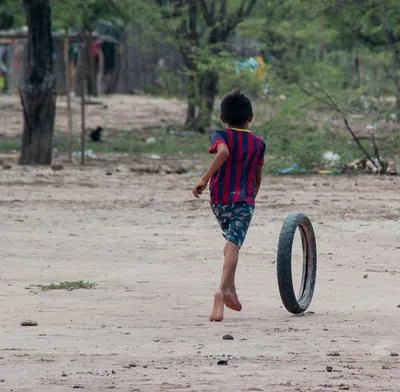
(155, 256)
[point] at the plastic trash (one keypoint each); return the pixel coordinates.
(294, 169)
(333, 172)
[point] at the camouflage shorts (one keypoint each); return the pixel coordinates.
(234, 220)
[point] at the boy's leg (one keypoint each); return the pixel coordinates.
(235, 232)
(227, 286)
(226, 294)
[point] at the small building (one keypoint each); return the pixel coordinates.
(104, 51)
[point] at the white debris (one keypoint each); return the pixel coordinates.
(88, 154)
(331, 157)
(151, 140)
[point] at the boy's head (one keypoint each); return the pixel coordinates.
(236, 110)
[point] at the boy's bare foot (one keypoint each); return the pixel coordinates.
(217, 313)
(231, 300)
(228, 298)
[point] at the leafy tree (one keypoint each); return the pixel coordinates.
(375, 24)
(306, 43)
(6, 19)
(11, 14)
(81, 16)
(202, 30)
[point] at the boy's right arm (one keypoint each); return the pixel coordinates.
(220, 157)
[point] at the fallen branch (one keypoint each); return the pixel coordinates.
(358, 142)
(377, 156)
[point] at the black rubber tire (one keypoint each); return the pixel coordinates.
(297, 304)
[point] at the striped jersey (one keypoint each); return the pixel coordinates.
(235, 181)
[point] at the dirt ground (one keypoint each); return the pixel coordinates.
(140, 113)
(115, 112)
(155, 255)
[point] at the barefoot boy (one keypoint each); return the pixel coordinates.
(235, 178)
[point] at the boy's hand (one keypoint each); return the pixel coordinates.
(199, 188)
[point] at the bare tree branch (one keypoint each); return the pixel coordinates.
(330, 102)
(317, 98)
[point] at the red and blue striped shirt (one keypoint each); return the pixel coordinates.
(235, 181)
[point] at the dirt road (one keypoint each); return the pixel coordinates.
(155, 255)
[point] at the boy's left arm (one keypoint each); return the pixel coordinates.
(260, 166)
(258, 177)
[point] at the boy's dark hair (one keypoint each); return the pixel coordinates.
(236, 109)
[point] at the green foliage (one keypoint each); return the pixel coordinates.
(246, 81)
(165, 144)
(201, 31)
(296, 141)
(10, 145)
(299, 131)
(373, 25)
(11, 14)
(79, 14)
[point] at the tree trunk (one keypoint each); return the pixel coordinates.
(100, 74)
(357, 71)
(396, 70)
(112, 87)
(68, 81)
(90, 67)
(83, 93)
(191, 109)
(38, 90)
(192, 86)
(208, 91)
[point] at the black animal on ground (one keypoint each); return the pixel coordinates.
(95, 135)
